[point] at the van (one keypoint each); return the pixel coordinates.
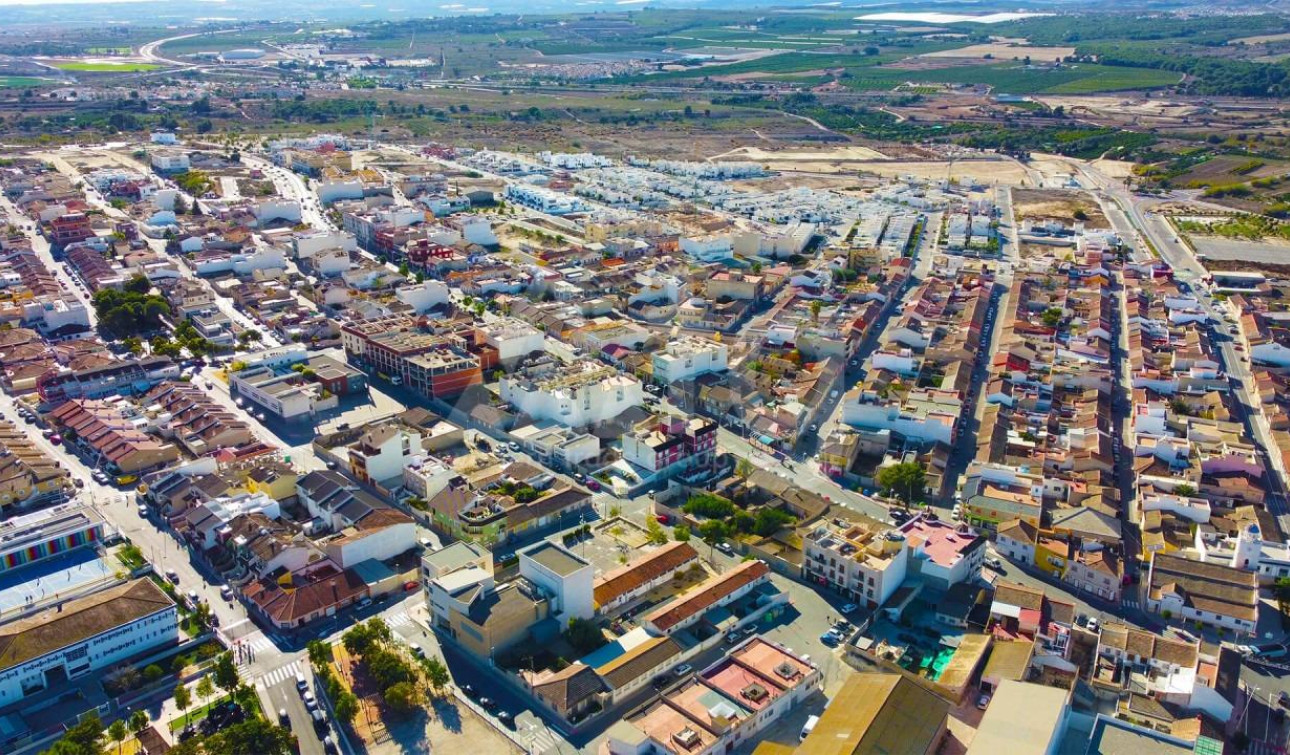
(807, 728)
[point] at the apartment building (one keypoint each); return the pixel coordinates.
(585, 393)
(687, 358)
(863, 563)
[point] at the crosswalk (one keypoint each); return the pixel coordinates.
(1129, 603)
(278, 675)
(541, 740)
(396, 620)
(257, 643)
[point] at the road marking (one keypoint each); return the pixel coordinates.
(278, 675)
(399, 619)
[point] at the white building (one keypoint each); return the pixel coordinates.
(334, 191)
(513, 339)
(568, 580)
(861, 563)
(85, 636)
(689, 357)
(49, 315)
(583, 394)
(269, 210)
(382, 452)
(169, 162)
(423, 297)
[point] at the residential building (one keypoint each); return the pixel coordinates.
(583, 394)
(84, 636)
(126, 377)
(293, 600)
(1023, 718)
(1189, 590)
(944, 555)
(725, 706)
(616, 590)
(862, 562)
(665, 446)
(382, 452)
(687, 358)
(565, 577)
(717, 591)
(113, 438)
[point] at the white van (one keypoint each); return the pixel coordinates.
(808, 727)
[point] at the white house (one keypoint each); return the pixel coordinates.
(512, 338)
(689, 357)
(170, 162)
(585, 393)
(423, 297)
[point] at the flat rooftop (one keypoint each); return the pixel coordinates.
(555, 558)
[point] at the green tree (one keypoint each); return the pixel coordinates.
(654, 532)
(906, 481)
(1184, 490)
(681, 533)
(83, 738)
(745, 468)
(358, 639)
(769, 521)
(345, 706)
(708, 505)
(319, 653)
(437, 674)
(584, 635)
(1052, 317)
(116, 732)
(402, 698)
(205, 690)
(226, 673)
(714, 531)
(183, 698)
(254, 735)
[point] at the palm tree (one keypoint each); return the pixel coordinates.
(116, 732)
(138, 722)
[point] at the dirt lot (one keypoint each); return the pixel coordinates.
(1001, 171)
(841, 154)
(1005, 52)
(1058, 204)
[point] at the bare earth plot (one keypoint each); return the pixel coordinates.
(1005, 172)
(1005, 52)
(1058, 204)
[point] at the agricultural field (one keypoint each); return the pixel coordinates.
(104, 66)
(21, 81)
(1006, 52)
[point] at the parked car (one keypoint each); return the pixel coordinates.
(848, 608)
(311, 702)
(830, 638)
(995, 564)
(506, 719)
(488, 704)
(683, 669)
(365, 602)
(172, 576)
(983, 702)
(301, 682)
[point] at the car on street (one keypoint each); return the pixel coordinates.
(364, 603)
(683, 669)
(469, 691)
(301, 682)
(226, 592)
(983, 702)
(172, 576)
(56, 439)
(995, 564)
(143, 511)
(848, 608)
(1093, 624)
(488, 704)
(311, 702)
(283, 718)
(830, 638)
(726, 549)
(506, 719)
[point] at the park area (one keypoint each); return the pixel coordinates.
(393, 701)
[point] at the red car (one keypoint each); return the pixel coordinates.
(56, 439)
(593, 485)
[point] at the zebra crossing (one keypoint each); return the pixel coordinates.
(396, 620)
(541, 740)
(1129, 603)
(278, 675)
(256, 644)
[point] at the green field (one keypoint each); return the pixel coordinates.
(1015, 79)
(21, 81)
(106, 67)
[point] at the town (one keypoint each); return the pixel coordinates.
(332, 444)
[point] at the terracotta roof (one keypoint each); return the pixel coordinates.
(1019, 595)
(80, 619)
(708, 594)
(565, 689)
(643, 570)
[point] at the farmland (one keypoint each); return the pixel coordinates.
(104, 66)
